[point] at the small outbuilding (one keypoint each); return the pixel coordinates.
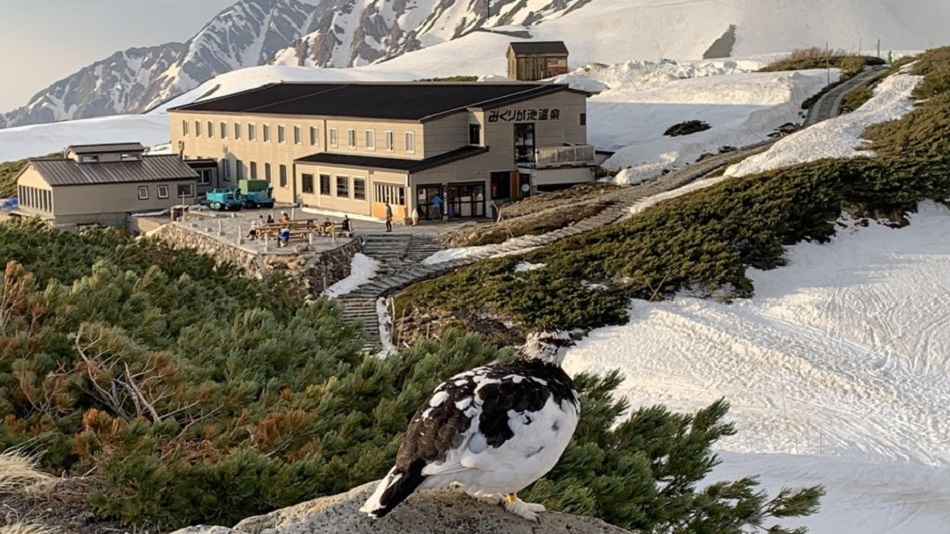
(102, 184)
(536, 60)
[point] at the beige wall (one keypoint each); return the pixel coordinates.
(33, 193)
(278, 153)
(115, 198)
(447, 134)
(370, 206)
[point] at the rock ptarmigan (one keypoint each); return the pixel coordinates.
(489, 432)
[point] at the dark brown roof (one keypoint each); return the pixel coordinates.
(396, 164)
(201, 163)
(58, 172)
(107, 148)
(529, 48)
(415, 101)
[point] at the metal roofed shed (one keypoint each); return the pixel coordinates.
(65, 172)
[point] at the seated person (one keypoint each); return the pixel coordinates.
(283, 237)
(284, 217)
(327, 227)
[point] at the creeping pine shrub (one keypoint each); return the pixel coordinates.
(198, 396)
(686, 128)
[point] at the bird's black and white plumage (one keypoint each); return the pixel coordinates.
(489, 432)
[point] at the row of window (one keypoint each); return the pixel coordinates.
(342, 186)
(161, 191)
(251, 171)
(333, 135)
(38, 199)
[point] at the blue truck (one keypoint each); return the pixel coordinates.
(249, 194)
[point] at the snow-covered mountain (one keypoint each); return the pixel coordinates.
(120, 82)
(248, 33)
(443, 35)
(357, 32)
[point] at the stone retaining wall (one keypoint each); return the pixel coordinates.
(317, 270)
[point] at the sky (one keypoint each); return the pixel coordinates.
(42, 41)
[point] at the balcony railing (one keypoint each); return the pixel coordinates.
(564, 156)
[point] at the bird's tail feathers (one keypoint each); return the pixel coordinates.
(393, 489)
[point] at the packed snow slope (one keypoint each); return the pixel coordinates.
(41, 139)
(836, 369)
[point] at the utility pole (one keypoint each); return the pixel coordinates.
(828, 63)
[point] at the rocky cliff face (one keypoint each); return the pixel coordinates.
(332, 33)
(424, 513)
(356, 32)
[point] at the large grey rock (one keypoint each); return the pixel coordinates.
(433, 512)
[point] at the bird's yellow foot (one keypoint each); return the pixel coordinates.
(523, 509)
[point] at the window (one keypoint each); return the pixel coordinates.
(184, 190)
(370, 139)
(524, 142)
(342, 186)
(143, 192)
(410, 142)
(306, 183)
(237, 130)
(253, 170)
(197, 128)
(129, 157)
(184, 127)
(89, 159)
(296, 135)
(359, 188)
(224, 131)
(204, 177)
(210, 130)
(239, 169)
(162, 191)
(583, 119)
(351, 138)
(390, 141)
(394, 194)
(251, 132)
(334, 140)
(281, 133)
(266, 133)
(474, 134)
(325, 184)
(283, 176)
(314, 137)
(226, 170)
(267, 172)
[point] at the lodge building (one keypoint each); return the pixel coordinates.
(102, 185)
(351, 147)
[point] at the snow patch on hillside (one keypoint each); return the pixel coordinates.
(839, 137)
(42, 139)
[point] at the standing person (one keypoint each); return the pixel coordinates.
(345, 225)
(437, 206)
(389, 217)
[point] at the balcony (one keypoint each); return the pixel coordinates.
(563, 156)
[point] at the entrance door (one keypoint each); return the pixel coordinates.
(424, 202)
(524, 143)
(466, 200)
(500, 185)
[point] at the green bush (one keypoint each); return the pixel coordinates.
(686, 128)
(856, 98)
(247, 399)
(818, 58)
